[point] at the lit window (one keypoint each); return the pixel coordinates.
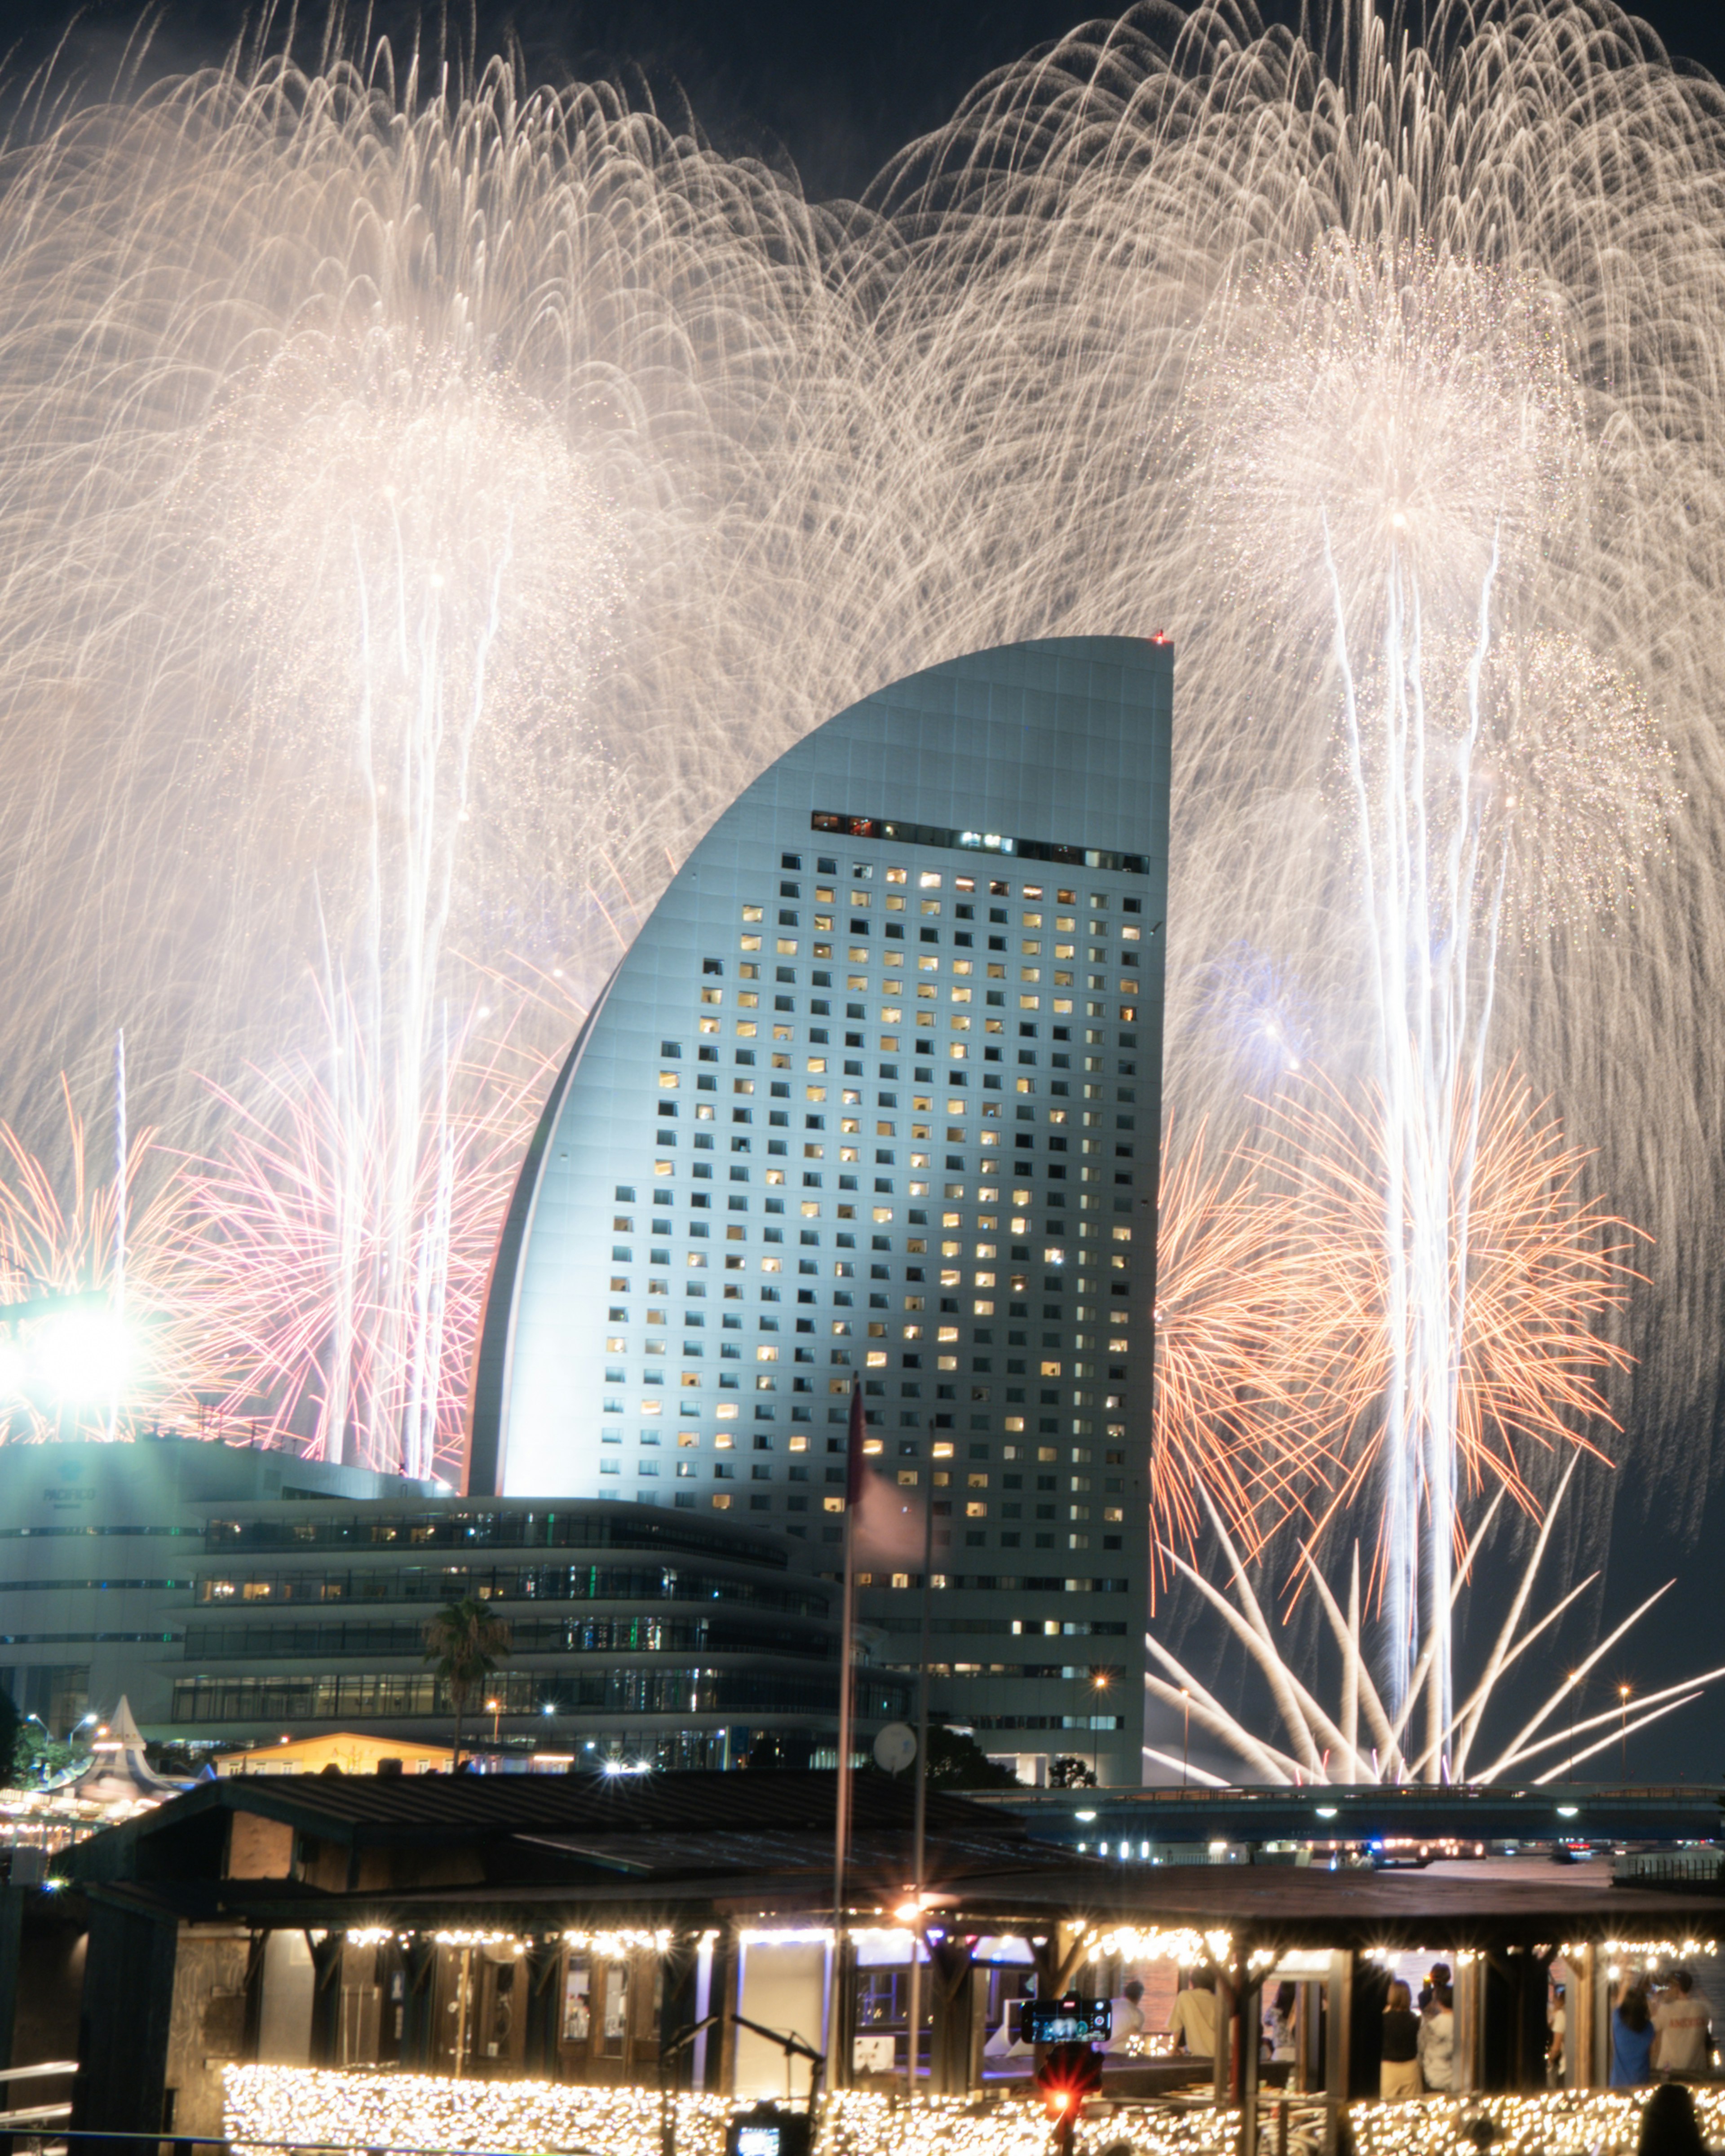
(721, 1501)
(832, 1504)
(976, 1509)
(766, 1354)
(982, 1309)
(668, 1081)
(750, 942)
(818, 1063)
(814, 1092)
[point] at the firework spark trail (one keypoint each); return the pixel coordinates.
(1097, 357)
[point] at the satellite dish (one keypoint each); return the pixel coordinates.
(895, 1747)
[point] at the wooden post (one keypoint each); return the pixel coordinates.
(1338, 2063)
(1247, 2037)
(128, 2001)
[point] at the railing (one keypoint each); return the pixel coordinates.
(1671, 1867)
(40, 2113)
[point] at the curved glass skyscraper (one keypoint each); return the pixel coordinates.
(875, 1094)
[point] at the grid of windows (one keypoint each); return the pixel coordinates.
(918, 1167)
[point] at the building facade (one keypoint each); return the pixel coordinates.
(234, 1596)
(100, 1546)
(875, 1096)
(638, 1637)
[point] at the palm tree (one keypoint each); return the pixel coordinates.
(466, 1642)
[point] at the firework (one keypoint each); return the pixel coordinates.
(1540, 1275)
(102, 1334)
(1242, 1421)
(378, 457)
(290, 1250)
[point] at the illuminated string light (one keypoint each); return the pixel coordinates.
(264, 2105)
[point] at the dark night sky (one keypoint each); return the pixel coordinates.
(838, 89)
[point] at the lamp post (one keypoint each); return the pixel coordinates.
(1099, 1685)
(1623, 1693)
(494, 1707)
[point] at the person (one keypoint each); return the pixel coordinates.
(1558, 2018)
(1437, 2039)
(1440, 1975)
(1399, 2073)
(1669, 2126)
(1128, 2014)
(1679, 2029)
(1279, 2024)
(1631, 2035)
(1193, 2023)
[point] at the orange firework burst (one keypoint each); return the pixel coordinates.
(1537, 1272)
(1242, 1412)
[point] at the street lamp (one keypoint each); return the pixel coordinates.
(1099, 1684)
(1623, 1693)
(494, 1707)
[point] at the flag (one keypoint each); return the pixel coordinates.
(853, 1461)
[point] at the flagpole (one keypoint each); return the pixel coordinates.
(838, 2076)
(922, 1811)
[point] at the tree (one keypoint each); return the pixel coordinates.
(955, 1761)
(466, 1643)
(1069, 1774)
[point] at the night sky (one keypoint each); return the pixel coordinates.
(834, 90)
